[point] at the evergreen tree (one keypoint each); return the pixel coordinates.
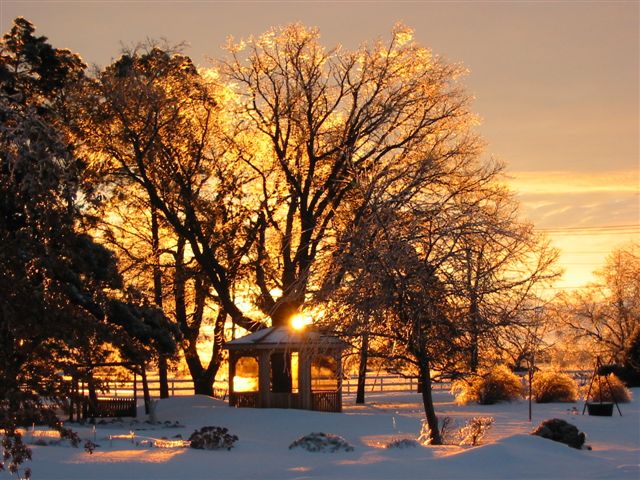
(62, 300)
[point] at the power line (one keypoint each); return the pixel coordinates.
(570, 287)
(589, 234)
(594, 252)
(599, 227)
(583, 263)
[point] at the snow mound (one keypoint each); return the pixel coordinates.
(322, 442)
(561, 431)
(527, 455)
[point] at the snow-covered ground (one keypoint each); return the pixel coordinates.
(262, 452)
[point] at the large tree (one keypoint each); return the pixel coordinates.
(155, 134)
(319, 119)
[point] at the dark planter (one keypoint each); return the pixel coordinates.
(600, 409)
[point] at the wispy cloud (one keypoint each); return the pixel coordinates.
(575, 182)
(569, 205)
(575, 199)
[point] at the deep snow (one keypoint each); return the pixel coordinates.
(262, 452)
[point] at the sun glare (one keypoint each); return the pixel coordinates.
(245, 384)
(299, 321)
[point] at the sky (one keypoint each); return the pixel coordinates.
(556, 85)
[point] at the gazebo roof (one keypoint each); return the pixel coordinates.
(286, 338)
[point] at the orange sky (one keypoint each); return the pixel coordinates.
(556, 84)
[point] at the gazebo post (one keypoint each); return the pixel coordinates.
(264, 378)
(304, 379)
(233, 358)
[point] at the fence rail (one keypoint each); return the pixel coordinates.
(374, 383)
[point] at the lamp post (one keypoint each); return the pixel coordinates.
(531, 362)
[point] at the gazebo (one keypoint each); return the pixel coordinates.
(311, 362)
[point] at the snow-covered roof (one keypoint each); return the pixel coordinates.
(286, 337)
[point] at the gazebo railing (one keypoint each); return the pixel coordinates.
(284, 400)
(244, 400)
(326, 401)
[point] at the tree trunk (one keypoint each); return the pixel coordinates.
(203, 383)
(283, 311)
(163, 376)
(203, 378)
(474, 317)
(427, 401)
(158, 297)
(362, 369)
(474, 312)
(281, 362)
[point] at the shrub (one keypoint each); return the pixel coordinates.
(447, 432)
(322, 442)
(403, 443)
(600, 391)
(496, 385)
(475, 430)
(631, 367)
(425, 433)
(550, 386)
(212, 438)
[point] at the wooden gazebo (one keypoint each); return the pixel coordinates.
(313, 364)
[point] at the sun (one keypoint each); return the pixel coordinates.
(299, 321)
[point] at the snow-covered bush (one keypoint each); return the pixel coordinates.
(90, 446)
(491, 386)
(212, 438)
(447, 433)
(475, 430)
(403, 443)
(560, 431)
(551, 386)
(600, 390)
(322, 442)
(425, 433)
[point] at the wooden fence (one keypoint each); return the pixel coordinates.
(374, 383)
(109, 407)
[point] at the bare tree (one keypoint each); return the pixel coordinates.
(401, 265)
(501, 266)
(322, 119)
(608, 313)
